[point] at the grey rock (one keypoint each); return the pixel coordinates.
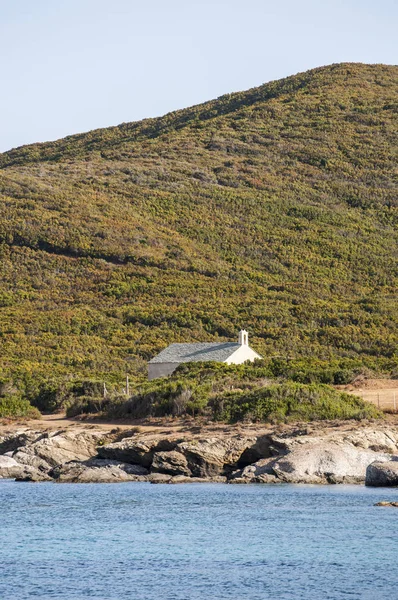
(135, 451)
(377, 440)
(313, 459)
(325, 462)
(31, 460)
(60, 447)
(182, 479)
(9, 468)
(382, 474)
(171, 463)
(33, 475)
(214, 456)
(159, 478)
(262, 447)
(18, 439)
(98, 471)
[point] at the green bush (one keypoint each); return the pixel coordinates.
(84, 405)
(291, 402)
(53, 395)
(15, 407)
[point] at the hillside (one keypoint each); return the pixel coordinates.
(274, 209)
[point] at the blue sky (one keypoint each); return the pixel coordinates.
(69, 66)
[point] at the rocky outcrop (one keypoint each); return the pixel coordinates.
(98, 471)
(35, 475)
(170, 463)
(216, 456)
(61, 447)
(19, 439)
(335, 458)
(376, 440)
(382, 474)
(312, 464)
(40, 452)
(9, 468)
(30, 459)
(306, 455)
(135, 451)
(197, 457)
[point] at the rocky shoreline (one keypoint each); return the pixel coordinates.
(317, 455)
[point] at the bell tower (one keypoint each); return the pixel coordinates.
(243, 339)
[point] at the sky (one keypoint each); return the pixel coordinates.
(69, 66)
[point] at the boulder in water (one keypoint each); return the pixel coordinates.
(382, 474)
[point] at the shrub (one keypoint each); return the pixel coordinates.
(291, 402)
(15, 407)
(237, 393)
(87, 405)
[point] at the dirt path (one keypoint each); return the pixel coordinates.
(186, 428)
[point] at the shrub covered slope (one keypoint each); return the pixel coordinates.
(273, 209)
(229, 393)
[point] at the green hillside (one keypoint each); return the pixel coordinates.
(274, 209)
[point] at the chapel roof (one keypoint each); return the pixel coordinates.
(183, 353)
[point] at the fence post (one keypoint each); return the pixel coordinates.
(395, 405)
(378, 400)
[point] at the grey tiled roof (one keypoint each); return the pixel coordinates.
(182, 353)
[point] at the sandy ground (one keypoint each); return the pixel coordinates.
(181, 429)
(184, 428)
(381, 392)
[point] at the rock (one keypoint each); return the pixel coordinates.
(31, 460)
(263, 478)
(98, 471)
(382, 474)
(262, 447)
(33, 475)
(374, 439)
(313, 460)
(159, 478)
(214, 456)
(392, 504)
(324, 463)
(171, 463)
(182, 479)
(60, 447)
(9, 468)
(18, 439)
(135, 451)
(311, 454)
(260, 472)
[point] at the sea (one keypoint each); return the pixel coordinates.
(197, 542)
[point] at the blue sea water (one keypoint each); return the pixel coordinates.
(196, 542)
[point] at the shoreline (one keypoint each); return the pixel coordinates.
(186, 451)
